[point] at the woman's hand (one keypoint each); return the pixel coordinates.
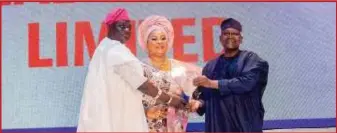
(194, 105)
(177, 102)
(178, 92)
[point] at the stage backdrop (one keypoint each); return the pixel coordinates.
(46, 48)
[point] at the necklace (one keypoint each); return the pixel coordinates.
(163, 66)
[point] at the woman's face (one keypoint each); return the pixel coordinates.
(157, 43)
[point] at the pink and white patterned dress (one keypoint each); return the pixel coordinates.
(161, 117)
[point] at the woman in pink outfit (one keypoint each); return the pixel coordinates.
(155, 36)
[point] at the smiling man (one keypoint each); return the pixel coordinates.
(231, 88)
(112, 95)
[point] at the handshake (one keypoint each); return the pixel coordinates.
(181, 102)
(193, 105)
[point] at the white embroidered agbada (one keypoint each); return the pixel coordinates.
(111, 101)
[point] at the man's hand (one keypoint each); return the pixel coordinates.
(205, 82)
(177, 102)
(194, 105)
(155, 112)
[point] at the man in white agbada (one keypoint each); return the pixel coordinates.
(112, 95)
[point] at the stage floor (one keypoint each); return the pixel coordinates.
(330, 129)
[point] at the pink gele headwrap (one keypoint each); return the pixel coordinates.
(116, 15)
(151, 24)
